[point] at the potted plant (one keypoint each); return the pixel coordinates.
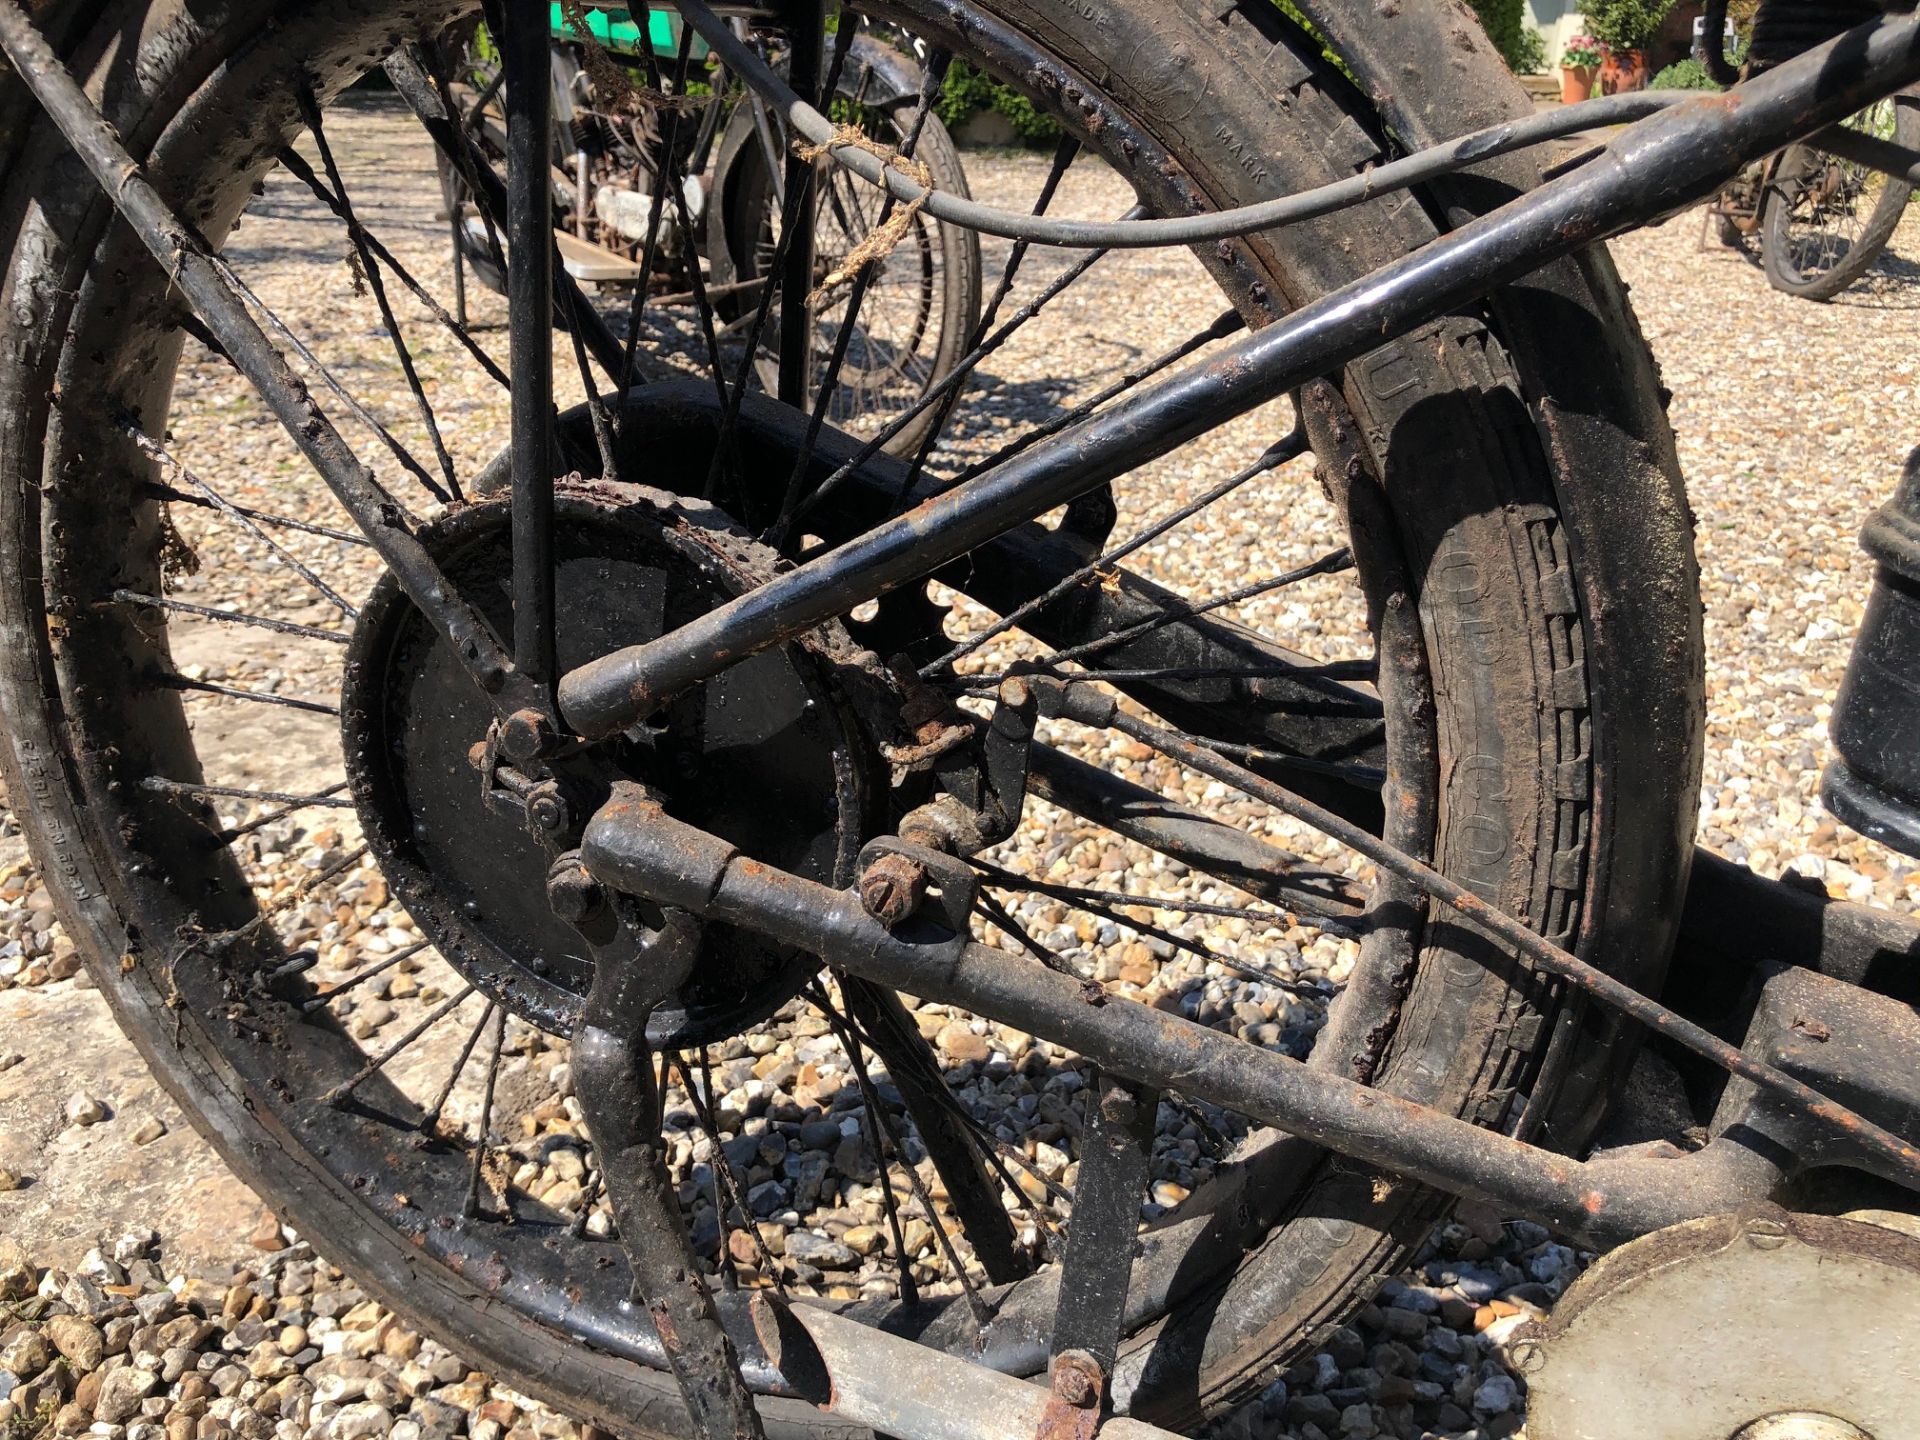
(1578, 64)
(1625, 28)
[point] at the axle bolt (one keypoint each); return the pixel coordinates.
(892, 889)
(526, 735)
(573, 892)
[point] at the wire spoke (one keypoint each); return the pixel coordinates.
(589, 1196)
(1332, 563)
(370, 269)
(870, 1123)
(470, 1208)
(228, 617)
(933, 72)
(790, 219)
(386, 437)
(255, 697)
(430, 1121)
(992, 1148)
(1331, 670)
(939, 390)
(856, 1057)
(1229, 322)
(1096, 902)
(1369, 776)
(683, 219)
(1279, 453)
(340, 1093)
(154, 450)
(1112, 901)
(227, 837)
(297, 166)
(724, 1176)
(162, 786)
(360, 977)
(294, 895)
(172, 496)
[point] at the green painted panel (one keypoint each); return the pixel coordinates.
(615, 28)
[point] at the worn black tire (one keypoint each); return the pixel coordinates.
(1776, 221)
(1535, 507)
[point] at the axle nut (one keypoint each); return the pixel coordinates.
(892, 889)
(573, 892)
(526, 735)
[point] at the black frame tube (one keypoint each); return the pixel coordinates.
(1679, 155)
(529, 94)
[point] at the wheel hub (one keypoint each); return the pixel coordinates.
(765, 755)
(1726, 1328)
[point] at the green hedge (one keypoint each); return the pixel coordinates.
(966, 92)
(1519, 44)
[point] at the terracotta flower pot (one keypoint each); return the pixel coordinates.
(1576, 83)
(1623, 71)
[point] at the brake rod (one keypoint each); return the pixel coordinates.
(1666, 161)
(190, 260)
(633, 846)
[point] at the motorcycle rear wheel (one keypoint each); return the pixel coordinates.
(1521, 454)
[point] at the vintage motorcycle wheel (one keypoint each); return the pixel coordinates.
(1513, 502)
(1824, 220)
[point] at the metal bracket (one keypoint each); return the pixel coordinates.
(951, 888)
(1091, 1309)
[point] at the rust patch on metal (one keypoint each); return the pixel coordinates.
(1079, 1387)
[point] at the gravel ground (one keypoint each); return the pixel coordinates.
(1783, 413)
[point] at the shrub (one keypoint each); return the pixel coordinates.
(1687, 74)
(967, 91)
(1505, 22)
(1625, 24)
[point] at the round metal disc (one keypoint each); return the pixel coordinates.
(1762, 1326)
(763, 755)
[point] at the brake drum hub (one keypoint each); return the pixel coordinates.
(1762, 1326)
(766, 755)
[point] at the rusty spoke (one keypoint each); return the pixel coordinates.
(470, 1207)
(160, 785)
(430, 1121)
(893, 1152)
(701, 1098)
(172, 496)
(154, 450)
(254, 697)
(297, 166)
(1289, 447)
(360, 977)
(368, 271)
(233, 833)
(228, 617)
(341, 1093)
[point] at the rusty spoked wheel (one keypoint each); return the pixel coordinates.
(1825, 220)
(1506, 681)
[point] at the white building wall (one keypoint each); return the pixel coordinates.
(1557, 21)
